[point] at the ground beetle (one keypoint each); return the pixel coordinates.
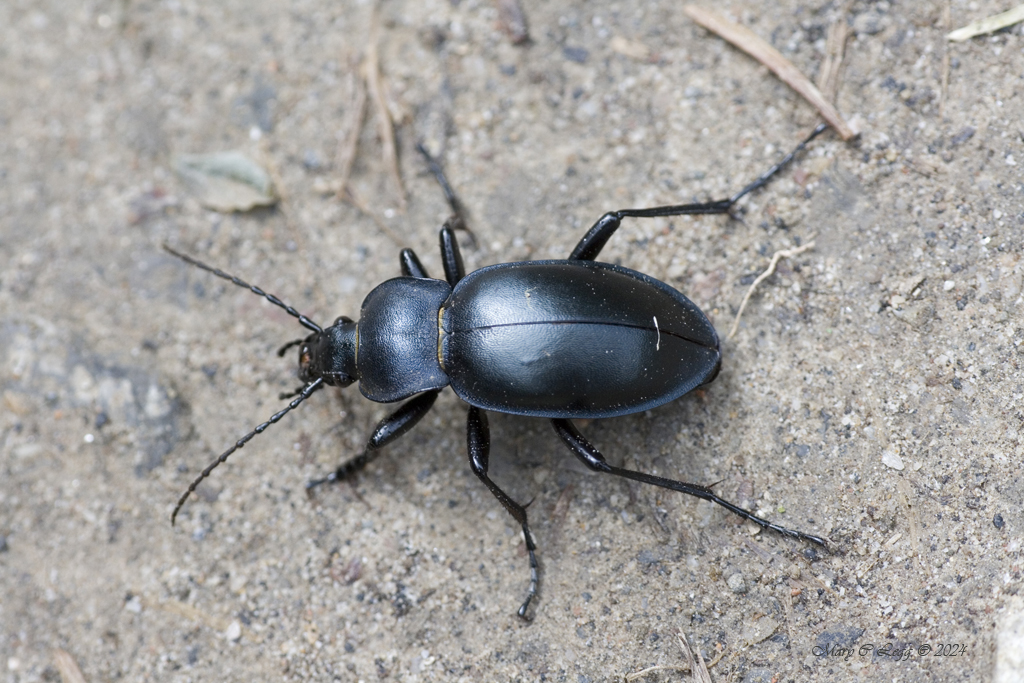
(574, 338)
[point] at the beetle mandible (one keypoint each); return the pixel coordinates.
(559, 339)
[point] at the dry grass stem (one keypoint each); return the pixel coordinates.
(831, 68)
(698, 667)
(947, 22)
(988, 25)
(776, 257)
(756, 47)
(389, 150)
(348, 148)
(636, 675)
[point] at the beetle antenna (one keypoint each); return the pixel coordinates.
(306, 322)
(303, 395)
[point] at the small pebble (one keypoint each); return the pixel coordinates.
(736, 583)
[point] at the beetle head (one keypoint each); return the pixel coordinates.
(331, 354)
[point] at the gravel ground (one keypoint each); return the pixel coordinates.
(872, 393)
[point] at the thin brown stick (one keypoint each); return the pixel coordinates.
(389, 150)
(753, 45)
(349, 148)
(776, 257)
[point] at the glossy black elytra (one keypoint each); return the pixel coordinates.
(565, 339)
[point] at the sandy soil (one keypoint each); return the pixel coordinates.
(872, 393)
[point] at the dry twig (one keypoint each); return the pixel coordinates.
(748, 41)
(776, 257)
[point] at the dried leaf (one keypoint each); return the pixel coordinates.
(226, 181)
(633, 49)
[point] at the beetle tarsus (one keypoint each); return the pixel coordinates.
(593, 459)
(534, 574)
(479, 442)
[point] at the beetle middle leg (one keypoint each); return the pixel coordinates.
(389, 429)
(593, 242)
(593, 459)
(479, 439)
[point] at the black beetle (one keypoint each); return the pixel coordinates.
(564, 339)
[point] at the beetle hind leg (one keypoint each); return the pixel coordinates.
(593, 242)
(593, 459)
(479, 440)
(389, 429)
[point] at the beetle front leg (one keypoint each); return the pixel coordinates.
(457, 220)
(410, 264)
(593, 459)
(479, 439)
(593, 242)
(389, 429)
(451, 257)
